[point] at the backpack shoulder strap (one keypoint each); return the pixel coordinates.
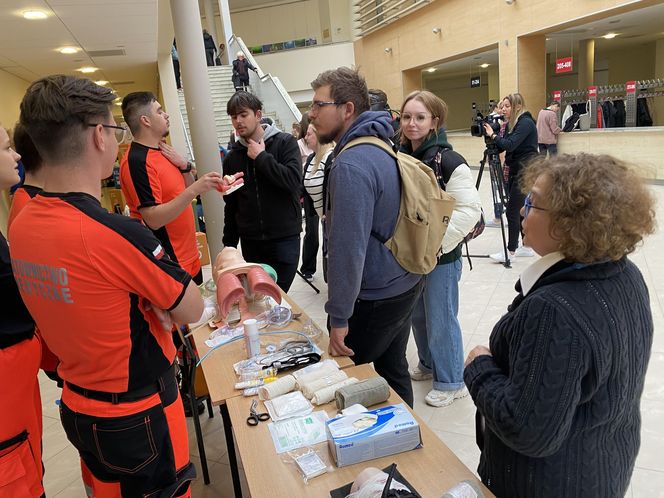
(444, 161)
(370, 141)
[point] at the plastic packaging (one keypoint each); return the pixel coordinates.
(258, 374)
(465, 489)
(308, 462)
(287, 406)
(251, 338)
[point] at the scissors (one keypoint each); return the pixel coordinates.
(255, 417)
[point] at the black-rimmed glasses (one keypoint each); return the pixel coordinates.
(120, 131)
(528, 205)
(317, 104)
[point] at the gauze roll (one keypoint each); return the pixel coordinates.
(280, 386)
(309, 388)
(315, 371)
(326, 394)
(366, 393)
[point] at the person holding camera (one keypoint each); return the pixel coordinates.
(435, 325)
(520, 143)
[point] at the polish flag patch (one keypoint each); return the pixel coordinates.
(159, 252)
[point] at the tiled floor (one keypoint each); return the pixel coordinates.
(485, 293)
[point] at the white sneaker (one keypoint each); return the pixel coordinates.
(419, 374)
(444, 398)
(524, 252)
(492, 223)
(499, 257)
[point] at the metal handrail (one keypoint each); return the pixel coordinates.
(266, 82)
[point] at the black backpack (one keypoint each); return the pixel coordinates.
(570, 123)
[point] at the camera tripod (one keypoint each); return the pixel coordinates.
(491, 155)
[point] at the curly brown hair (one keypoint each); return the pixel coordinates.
(599, 207)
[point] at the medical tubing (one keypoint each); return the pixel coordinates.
(241, 337)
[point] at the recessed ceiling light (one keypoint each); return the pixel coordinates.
(610, 36)
(69, 50)
(485, 65)
(34, 14)
(88, 69)
(101, 82)
(431, 70)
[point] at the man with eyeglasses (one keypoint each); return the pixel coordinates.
(159, 183)
(370, 296)
(95, 283)
(264, 216)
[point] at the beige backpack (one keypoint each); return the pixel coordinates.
(424, 212)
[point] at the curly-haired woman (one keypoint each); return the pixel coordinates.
(559, 388)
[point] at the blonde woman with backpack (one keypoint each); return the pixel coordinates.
(435, 324)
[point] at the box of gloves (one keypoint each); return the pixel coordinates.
(372, 434)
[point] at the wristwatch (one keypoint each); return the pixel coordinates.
(188, 168)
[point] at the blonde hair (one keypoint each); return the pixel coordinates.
(515, 99)
(599, 207)
(434, 104)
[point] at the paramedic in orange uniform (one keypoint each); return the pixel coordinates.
(32, 185)
(103, 292)
(20, 353)
(158, 183)
(34, 173)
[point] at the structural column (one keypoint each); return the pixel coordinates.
(658, 114)
(198, 98)
(586, 63)
(227, 28)
(507, 62)
(209, 21)
(532, 71)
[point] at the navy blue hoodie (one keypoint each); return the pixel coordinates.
(364, 196)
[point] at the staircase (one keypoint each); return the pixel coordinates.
(221, 87)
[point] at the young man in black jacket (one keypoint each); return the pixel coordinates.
(265, 214)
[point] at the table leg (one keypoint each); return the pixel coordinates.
(230, 446)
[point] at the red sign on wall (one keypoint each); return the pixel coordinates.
(557, 95)
(564, 65)
(630, 87)
(592, 91)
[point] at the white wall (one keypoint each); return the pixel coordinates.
(297, 68)
(12, 90)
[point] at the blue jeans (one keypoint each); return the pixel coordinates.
(436, 327)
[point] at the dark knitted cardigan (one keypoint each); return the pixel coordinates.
(560, 395)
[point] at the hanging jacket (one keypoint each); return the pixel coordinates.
(621, 115)
(642, 113)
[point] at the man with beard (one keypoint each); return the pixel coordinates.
(158, 183)
(370, 296)
(265, 215)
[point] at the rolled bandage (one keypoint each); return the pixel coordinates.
(309, 388)
(316, 371)
(280, 386)
(366, 393)
(326, 394)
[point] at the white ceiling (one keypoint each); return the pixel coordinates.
(28, 48)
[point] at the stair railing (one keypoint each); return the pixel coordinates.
(268, 88)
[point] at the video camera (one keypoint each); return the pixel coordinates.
(477, 128)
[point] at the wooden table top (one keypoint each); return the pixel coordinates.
(218, 367)
(432, 469)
